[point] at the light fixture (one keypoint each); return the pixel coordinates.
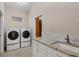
(22, 3)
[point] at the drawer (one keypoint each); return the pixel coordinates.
(13, 47)
(25, 44)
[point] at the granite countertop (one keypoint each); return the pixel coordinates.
(47, 42)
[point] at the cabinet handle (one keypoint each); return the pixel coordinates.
(37, 50)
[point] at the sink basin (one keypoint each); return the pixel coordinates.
(66, 47)
(48, 42)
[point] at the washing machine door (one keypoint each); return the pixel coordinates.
(13, 35)
(26, 34)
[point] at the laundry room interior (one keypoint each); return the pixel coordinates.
(39, 29)
(14, 13)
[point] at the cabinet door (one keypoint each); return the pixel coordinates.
(41, 50)
(35, 49)
(51, 55)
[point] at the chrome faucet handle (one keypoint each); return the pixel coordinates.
(68, 40)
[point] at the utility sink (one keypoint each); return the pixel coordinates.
(66, 47)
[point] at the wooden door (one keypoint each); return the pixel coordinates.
(38, 27)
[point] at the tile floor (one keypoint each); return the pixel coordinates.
(22, 52)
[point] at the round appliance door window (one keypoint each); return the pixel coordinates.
(26, 34)
(13, 35)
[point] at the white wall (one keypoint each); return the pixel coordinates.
(58, 18)
(7, 13)
(0, 32)
(2, 8)
(0, 24)
(17, 13)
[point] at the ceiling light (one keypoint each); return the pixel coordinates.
(22, 3)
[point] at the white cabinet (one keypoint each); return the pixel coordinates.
(39, 50)
(35, 46)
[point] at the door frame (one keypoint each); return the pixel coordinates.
(2, 31)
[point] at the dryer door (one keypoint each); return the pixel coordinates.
(26, 34)
(13, 35)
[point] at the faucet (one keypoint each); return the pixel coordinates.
(67, 39)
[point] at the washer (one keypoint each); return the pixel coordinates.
(13, 39)
(25, 38)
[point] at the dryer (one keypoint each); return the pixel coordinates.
(25, 38)
(13, 39)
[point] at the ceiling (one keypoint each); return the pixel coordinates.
(24, 6)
